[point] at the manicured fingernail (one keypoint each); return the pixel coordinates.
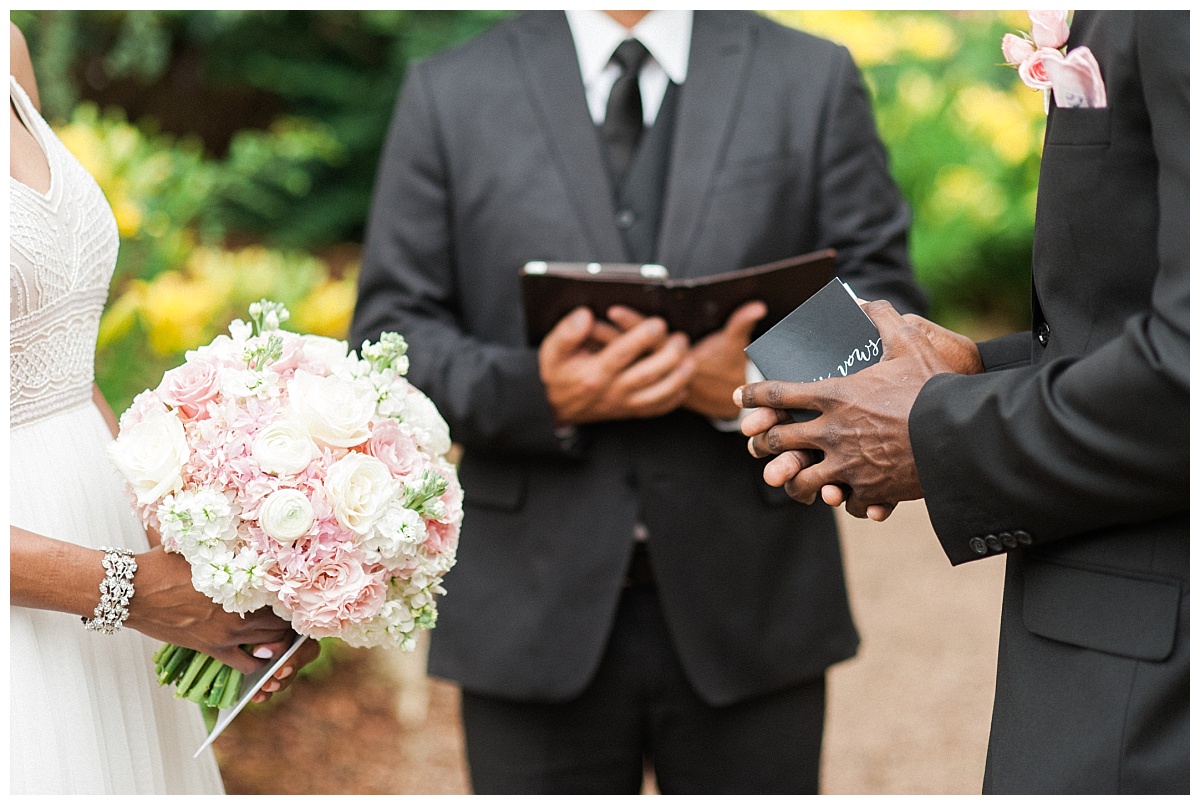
(285, 673)
(737, 397)
(263, 653)
(271, 686)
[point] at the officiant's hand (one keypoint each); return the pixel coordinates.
(862, 433)
(166, 606)
(594, 373)
(720, 359)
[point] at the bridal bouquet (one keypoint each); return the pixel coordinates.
(292, 473)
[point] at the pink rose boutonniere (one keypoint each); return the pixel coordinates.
(1043, 62)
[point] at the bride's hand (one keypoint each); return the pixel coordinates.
(166, 606)
(286, 674)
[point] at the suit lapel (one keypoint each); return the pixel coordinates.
(716, 81)
(546, 55)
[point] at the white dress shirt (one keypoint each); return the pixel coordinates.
(667, 34)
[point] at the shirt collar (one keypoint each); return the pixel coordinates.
(666, 33)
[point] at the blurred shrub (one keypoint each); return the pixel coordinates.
(258, 134)
(180, 279)
(964, 137)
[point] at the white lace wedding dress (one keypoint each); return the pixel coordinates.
(86, 714)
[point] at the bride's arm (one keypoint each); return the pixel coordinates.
(106, 410)
(50, 574)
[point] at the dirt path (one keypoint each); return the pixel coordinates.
(908, 715)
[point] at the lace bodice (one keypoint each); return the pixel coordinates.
(62, 251)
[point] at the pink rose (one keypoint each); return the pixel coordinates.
(1033, 70)
(1016, 49)
(396, 448)
(325, 594)
(190, 386)
(1049, 28)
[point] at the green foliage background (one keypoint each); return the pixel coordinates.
(238, 149)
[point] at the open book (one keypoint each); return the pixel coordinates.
(696, 306)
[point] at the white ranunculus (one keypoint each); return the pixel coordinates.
(286, 515)
(151, 455)
(429, 428)
(328, 352)
(336, 412)
(359, 488)
(283, 448)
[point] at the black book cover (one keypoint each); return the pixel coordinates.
(828, 335)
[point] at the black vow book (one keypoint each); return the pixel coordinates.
(827, 336)
(696, 306)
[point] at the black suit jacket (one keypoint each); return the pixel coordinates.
(1076, 463)
(492, 161)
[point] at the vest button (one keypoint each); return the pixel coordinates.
(625, 218)
(1043, 334)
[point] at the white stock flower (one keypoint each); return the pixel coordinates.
(263, 384)
(286, 515)
(359, 488)
(429, 428)
(396, 536)
(283, 448)
(237, 583)
(200, 524)
(151, 455)
(336, 412)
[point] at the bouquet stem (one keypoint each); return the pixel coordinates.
(197, 677)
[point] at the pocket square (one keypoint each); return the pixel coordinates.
(1075, 80)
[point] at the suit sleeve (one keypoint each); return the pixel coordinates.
(861, 211)
(490, 394)
(1076, 445)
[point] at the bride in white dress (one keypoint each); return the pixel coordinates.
(86, 714)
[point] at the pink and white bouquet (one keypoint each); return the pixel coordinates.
(292, 473)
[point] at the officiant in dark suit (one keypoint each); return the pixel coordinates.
(1064, 449)
(628, 592)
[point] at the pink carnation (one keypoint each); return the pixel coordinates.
(325, 594)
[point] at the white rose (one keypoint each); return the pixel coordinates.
(429, 428)
(283, 448)
(323, 351)
(286, 515)
(151, 455)
(336, 412)
(359, 488)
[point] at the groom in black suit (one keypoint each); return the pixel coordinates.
(628, 590)
(1066, 449)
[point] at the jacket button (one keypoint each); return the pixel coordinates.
(1023, 537)
(625, 218)
(1043, 334)
(978, 545)
(1008, 539)
(993, 543)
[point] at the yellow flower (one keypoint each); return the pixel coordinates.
(328, 309)
(961, 189)
(999, 117)
(178, 311)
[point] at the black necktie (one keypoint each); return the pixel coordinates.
(623, 121)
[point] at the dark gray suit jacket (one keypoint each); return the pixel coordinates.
(493, 161)
(1077, 461)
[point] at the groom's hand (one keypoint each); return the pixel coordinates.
(592, 372)
(865, 457)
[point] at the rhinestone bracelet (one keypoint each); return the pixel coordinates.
(115, 592)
